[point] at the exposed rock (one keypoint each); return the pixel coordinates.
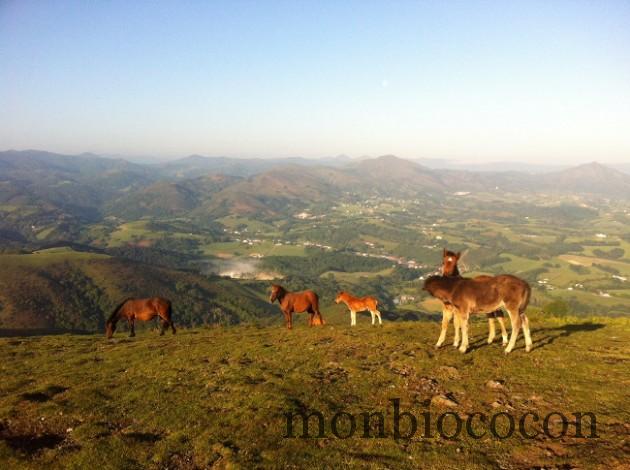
(496, 384)
(444, 401)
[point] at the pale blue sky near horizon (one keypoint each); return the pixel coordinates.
(534, 81)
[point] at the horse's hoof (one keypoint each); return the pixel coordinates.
(462, 350)
(490, 341)
(528, 348)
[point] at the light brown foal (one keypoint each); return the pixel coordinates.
(360, 304)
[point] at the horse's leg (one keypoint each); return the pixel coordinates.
(492, 330)
(287, 319)
(504, 335)
(447, 314)
(311, 314)
(378, 314)
(515, 319)
(457, 325)
(132, 330)
(353, 318)
(373, 317)
(528, 338)
(290, 320)
(463, 321)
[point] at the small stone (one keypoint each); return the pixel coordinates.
(495, 384)
(444, 401)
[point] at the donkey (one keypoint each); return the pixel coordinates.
(484, 295)
(449, 268)
(359, 304)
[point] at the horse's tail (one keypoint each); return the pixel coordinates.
(528, 295)
(118, 307)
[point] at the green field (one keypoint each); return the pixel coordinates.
(217, 397)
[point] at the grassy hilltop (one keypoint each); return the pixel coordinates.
(216, 396)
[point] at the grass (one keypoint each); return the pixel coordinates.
(266, 248)
(355, 277)
(45, 257)
(217, 396)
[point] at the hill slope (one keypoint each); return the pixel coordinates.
(63, 289)
(217, 397)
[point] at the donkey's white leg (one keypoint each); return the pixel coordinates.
(353, 318)
(516, 326)
(464, 326)
(378, 314)
(503, 330)
(528, 338)
(457, 326)
(446, 318)
(373, 316)
(492, 331)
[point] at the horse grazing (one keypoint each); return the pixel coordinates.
(140, 309)
(359, 304)
(484, 295)
(450, 269)
(297, 302)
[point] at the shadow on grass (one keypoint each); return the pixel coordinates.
(551, 334)
(44, 396)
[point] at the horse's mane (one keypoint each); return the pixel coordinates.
(444, 280)
(113, 315)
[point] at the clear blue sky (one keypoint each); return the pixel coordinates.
(476, 81)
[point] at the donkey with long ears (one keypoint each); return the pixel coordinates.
(359, 304)
(143, 310)
(484, 295)
(450, 269)
(297, 302)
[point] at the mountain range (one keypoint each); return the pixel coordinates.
(38, 188)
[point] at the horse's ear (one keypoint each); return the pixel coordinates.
(444, 251)
(458, 255)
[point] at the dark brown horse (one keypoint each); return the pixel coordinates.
(143, 310)
(484, 295)
(450, 269)
(297, 302)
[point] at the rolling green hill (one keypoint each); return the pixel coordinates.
(217, 398)
(62, 289)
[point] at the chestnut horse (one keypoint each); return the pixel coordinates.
(140, 309)
(359, 304)
(484, 295)
(297, 302)
(450, 269)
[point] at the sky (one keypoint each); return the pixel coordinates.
(540, 82)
